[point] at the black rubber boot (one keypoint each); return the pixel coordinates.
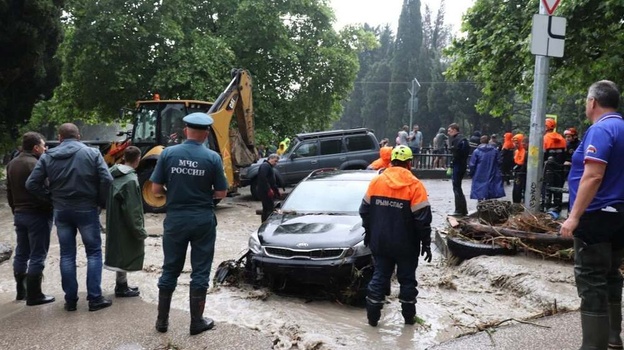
(408, 310)
(20, 286)
(164, 304)
(615, 326)
(123, 291)
(199, 323)
(461, 207)
(595, 331)
(373, 311)
(34, 296)
(591, 267)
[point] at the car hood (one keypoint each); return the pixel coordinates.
(310, 231)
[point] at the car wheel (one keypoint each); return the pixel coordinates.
(355, 293)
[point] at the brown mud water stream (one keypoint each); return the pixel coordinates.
(453, 300)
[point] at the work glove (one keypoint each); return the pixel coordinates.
(426, 251)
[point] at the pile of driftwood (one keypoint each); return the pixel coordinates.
(506, 228)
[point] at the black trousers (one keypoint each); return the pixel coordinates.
(267, 206)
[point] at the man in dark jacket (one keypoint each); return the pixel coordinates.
(396, 216)
(125, 232)
(79, 181)
(460, 149)
(33, 223)
(267, 187)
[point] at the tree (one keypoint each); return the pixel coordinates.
(495, 49)
(121, 51)
(30, 32)
(404, 62)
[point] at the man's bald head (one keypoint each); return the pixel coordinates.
(68, 131)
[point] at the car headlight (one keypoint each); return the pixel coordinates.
(254, 243)
(358, 250)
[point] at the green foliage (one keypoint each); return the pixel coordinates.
(495, 50)
(121, 51)
(405, 63)
(30, 32)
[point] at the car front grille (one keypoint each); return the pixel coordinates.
(312, 254)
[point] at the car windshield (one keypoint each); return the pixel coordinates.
(326, 196)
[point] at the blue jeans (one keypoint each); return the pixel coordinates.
(33, 241)
(406, 274)
(68, 222)
(179, 231)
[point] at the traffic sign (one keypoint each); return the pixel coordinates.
(551, 5)
(548, 35)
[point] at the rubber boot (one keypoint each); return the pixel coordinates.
(373, 311)
(615, 326)
(164, 304)
(199, 323)
(461, 208)
(20, 286)
(34, 296)
(408, 310)
(595, 331)
(123, 291)
(591, 266)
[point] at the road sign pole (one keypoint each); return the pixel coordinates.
(413, 96)
(533, 190)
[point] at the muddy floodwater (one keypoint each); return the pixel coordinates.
(452, 300)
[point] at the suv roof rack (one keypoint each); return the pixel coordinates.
(320, 171)
(311, 135)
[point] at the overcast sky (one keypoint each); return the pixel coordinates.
(378, 12)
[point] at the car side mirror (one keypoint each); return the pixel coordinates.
(278, 205)
(294, 156)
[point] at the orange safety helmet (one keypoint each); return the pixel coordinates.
(551, 124)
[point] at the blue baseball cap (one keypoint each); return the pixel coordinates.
(198, 120)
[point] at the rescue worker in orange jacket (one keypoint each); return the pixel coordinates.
(384, 159)
(520, 168)
(507, 153)
(396, 216)
(554, 157)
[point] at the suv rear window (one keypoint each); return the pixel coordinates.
(359, 143)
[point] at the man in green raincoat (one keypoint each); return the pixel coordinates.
(125, 232)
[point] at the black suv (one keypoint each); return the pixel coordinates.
(341, 149)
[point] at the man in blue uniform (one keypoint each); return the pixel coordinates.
(193, 176)
(596, 218)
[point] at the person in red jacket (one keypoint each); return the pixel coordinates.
(520, 168)
(554, 157)
(384, 159)
(396, 216)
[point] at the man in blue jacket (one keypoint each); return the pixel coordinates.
(78, 184)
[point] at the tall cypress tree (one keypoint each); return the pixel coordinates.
(404, 65)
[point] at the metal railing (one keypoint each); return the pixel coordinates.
(428, 160)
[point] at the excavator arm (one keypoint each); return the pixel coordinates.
(237, 148)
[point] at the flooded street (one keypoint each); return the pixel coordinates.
(453, 300)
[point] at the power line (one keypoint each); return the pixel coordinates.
(422, 82)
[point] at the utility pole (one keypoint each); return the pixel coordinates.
(547, 40)
(413, 105)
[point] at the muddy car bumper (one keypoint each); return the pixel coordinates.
(311, 271)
